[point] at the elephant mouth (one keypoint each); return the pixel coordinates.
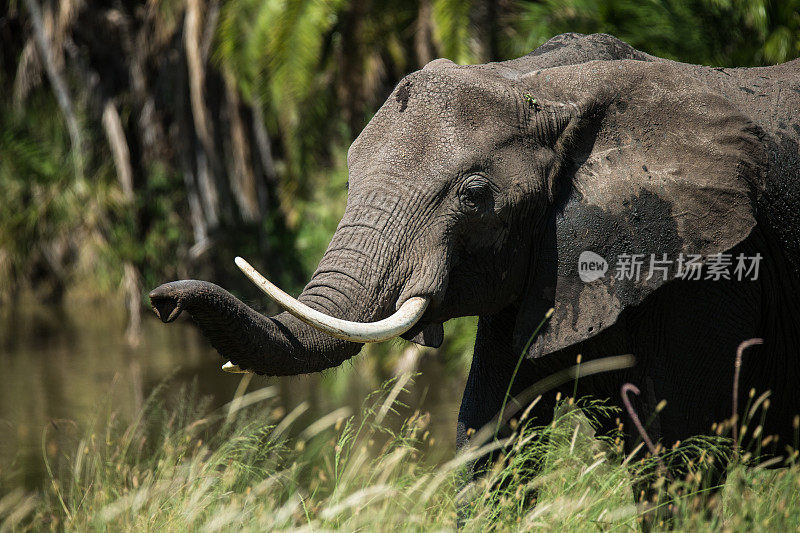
(424, 333)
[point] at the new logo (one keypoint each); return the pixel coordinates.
(591, 266)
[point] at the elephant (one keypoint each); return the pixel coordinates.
(507, 189)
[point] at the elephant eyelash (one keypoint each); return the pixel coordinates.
(476, 193)
(477, 184)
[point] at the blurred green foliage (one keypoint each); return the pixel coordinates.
(729, 33)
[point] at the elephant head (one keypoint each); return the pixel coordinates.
(476, 188)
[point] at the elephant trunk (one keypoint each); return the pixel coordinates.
(355, 281)
(277, 346)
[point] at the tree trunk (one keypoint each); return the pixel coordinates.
(242, 179)
(262, 141)
(131, 280)
(423, 37)
(119, 149)
(485, 20)
(351, 83)
(205, 154)
(59, 88)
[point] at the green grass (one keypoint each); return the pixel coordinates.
(181, 466)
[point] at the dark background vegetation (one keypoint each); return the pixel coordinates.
(147, 141)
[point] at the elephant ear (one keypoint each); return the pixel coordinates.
(651, 163)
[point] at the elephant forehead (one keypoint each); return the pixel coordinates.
(433, 121)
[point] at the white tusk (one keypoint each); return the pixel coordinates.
(397, 324)
(234, 369)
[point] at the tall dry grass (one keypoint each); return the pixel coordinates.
(186, 467)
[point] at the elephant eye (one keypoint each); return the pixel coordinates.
(476, 194)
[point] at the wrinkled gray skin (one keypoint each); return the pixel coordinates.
(479, 186)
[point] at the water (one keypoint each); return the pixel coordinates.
(64, 367)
